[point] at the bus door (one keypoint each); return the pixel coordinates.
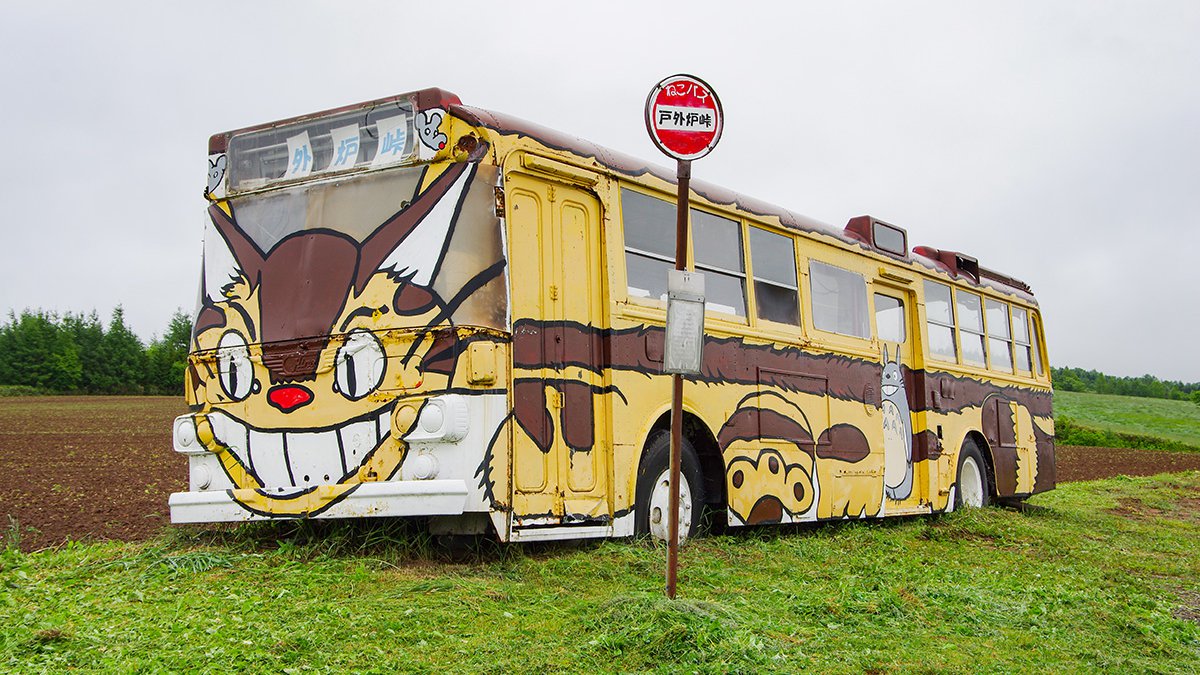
(905, 476)
(561, 442)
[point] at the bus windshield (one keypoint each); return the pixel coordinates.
(418, 244)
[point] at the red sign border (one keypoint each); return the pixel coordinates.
(650, 107)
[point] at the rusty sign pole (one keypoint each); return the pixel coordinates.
(684, 119)
(683, 172)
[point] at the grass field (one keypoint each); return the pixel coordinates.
(1102, 575)
(1173, 420)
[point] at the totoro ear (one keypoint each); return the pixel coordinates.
(885, 354)
(413, 242)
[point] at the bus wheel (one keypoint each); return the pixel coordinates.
(972, 490)
(654, 490)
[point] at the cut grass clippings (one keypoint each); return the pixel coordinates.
(1097, 576)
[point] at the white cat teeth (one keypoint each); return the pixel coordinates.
(288, 462)
(889, 389)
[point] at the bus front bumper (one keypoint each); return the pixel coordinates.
(382, 499)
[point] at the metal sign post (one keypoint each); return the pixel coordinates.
(684, 119)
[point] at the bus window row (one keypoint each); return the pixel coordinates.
(962, 327)
(718, 252)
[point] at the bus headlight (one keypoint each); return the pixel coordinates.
(201, 478)
(185, 436)
(443, 419)
(422, 467)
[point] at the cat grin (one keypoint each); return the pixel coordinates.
(289, 462)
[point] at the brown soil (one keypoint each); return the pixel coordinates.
(89, 467)
(1077, 462)
(102, 467)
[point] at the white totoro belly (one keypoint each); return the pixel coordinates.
(895, 446)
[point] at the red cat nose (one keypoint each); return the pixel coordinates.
(288, 397)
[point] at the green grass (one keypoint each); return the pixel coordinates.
(1097, 576)
(1177, 421)
(7, 390)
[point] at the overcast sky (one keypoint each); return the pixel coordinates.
(1055, 141)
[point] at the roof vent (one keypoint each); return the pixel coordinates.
(958, 264)
(878, 235)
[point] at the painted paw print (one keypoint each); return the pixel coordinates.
(763, 490)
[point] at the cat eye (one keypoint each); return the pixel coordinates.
(360, 364)
(233, 366)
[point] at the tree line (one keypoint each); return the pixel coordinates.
(1146, 386)
(77, 353)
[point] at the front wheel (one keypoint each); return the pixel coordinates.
(972, 479)
(654, 490)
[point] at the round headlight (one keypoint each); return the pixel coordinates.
(432, 418)
(201, 477)
(185, 433)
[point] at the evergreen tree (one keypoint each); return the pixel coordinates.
(88, 334)
(167, 357)
(124, 358)
(38, 353)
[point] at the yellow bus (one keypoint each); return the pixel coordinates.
(415, 307)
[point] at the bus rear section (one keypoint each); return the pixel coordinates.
(349, 351)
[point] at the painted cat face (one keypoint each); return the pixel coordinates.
(304, 345)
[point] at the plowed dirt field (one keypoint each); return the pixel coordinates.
(102, 467)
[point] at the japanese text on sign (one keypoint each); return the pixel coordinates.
(393, 140)
(300, 156)
(675, 118)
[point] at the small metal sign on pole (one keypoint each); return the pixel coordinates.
(684, 119)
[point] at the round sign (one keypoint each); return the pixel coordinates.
(684, 117)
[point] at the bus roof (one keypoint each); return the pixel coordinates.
(956, 265)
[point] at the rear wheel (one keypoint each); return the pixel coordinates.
(652, 512)
(972, 479)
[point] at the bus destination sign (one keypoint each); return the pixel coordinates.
(684, 117)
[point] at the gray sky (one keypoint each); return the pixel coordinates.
(1055, 141)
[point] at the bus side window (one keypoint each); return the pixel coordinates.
(939, 321)
(970, 328)
(776, 293)
(839, 300)
(889, 318)
(999, 335)
(717, 243)
(649, 243)
(1022, 347)
(1035, 329)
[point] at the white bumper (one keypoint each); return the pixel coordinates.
(440, 475)
(395, 498)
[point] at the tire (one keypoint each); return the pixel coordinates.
(972, 489)
(653, 490)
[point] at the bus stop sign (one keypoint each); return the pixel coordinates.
(684, 117)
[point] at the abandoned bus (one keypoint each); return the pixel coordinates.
(414, 307)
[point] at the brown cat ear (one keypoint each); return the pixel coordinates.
(228, 255)
(413, 242)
